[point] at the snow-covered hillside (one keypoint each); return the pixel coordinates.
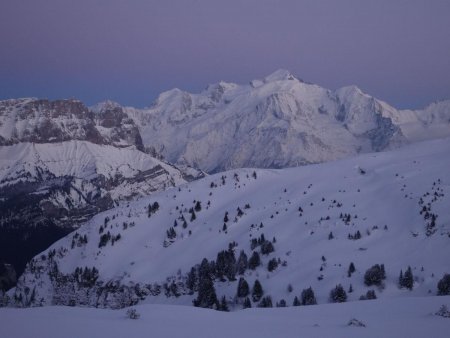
(48, 189)
(306, 225)
(84, 161)
(408, 317)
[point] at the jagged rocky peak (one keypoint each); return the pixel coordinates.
(109, 114)
(42, 120)
(45, 121)
(26, 108)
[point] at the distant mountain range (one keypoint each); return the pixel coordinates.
(276, 122)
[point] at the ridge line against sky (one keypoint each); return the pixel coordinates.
(130, 51)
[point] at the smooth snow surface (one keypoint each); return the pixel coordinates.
(399, 318)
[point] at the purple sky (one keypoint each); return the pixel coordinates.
(131, 50)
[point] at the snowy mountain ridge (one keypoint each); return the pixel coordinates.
(49, 189)
(279, 121)
(307, 226)
(275, 122)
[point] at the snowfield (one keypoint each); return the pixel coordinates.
(386, 208)
(405, 317)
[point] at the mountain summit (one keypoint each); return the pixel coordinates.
(278, 121)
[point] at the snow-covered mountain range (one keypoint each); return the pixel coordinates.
(279, 121)
(290, 229)
(62, 162)
(276, 122)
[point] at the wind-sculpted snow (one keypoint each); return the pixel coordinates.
(382, 212)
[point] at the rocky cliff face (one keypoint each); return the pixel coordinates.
(44, 121)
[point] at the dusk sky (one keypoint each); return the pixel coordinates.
(131, 50)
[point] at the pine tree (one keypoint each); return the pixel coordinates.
(206, 297)
(267, 247)
(406, 280)
(266, 302)
(198, 206)
(296, 302)
(193, 216)
(374, 275)
(351, 269)
(272, 265)
(247, 303)
(308, 297)
(192, 281)
(239, 212)
(242, 263)
(338, 294)
(254, 261)
(443, 285)
(257, 291)
(243, 288)
(371, 294)
(223, 305)
(281, 303)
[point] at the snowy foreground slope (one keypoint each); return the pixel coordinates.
(386, 208)
(407, 317)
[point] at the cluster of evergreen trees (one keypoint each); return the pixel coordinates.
(201, 278)
(406, 280)
(152, 208)
(355, 236)
(375, 275)
(266, 246)
(78, 240)
(105, 238)
(444, 285)
(86, 277)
